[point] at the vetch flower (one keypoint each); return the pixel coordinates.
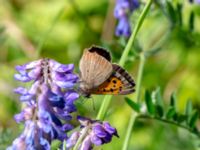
(49, 103)
(195, 1)
(122, 11)
(93, 133)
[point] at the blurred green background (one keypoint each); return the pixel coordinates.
(62, 29)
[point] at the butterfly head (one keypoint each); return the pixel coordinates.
(84, 89)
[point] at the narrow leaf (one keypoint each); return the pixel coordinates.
(181, 118)
(193, 119)
(172, 13)
(157, 96)
(173, 100)
(179, 14)
(149, 103)
(188, 110)
(159, 111)
(191, 21)
(170, 113)
(133, 104)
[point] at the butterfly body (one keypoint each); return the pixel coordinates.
(99, 76)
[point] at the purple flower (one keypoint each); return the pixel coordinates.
(96, 133)
(123, 9)
(49, 103)
(195, 1)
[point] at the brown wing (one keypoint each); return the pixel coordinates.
(120, 82)
(95, 67)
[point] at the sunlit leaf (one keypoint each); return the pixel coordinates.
(188, 110)
(193, 119)
(157, 96)
(170, 113)
(149, 103)
(133, 104)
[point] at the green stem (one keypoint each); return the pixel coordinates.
(169, 122)
(46, 34)
(139, 77)
(107, 99)
(80, 139)
(104, 106)
(134, 114)
(134, 34)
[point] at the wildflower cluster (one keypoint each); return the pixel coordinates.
(48, 105)
(94, 133)
(123, 9)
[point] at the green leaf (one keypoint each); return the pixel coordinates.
(181, 118)
(179, 14)
(191, 21)
(193, 119)
(172, 13)
(188, 110)
(170, 113)
(156, 95)
(159, 110)
(149, 103)
(173, 100)
(133, 104)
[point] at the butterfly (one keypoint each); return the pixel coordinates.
(98, 75)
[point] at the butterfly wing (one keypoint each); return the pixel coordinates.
(95, 66)
(120, 82)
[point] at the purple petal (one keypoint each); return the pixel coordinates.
(26, 97)
(110, 129)
(22, 78)
(21, 90)
(33, 74)
(99, 130)
(71, 141)
(18, 143)
(107, 138)
(32, 64)
(45, 143)
(34, 88)
(60, 67)
(67, 127)
(86, 144)
(21, 69)
(64, 84)
(65, 68)
(96, 140)
(70, 97)
(64, 77)
(123, 27)
(19, 117)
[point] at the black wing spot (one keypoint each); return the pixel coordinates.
(114, 81)
(120, 88)
(112, 90)
(104, 90)
(108, 80)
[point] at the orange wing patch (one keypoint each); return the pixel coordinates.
(113, 85)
